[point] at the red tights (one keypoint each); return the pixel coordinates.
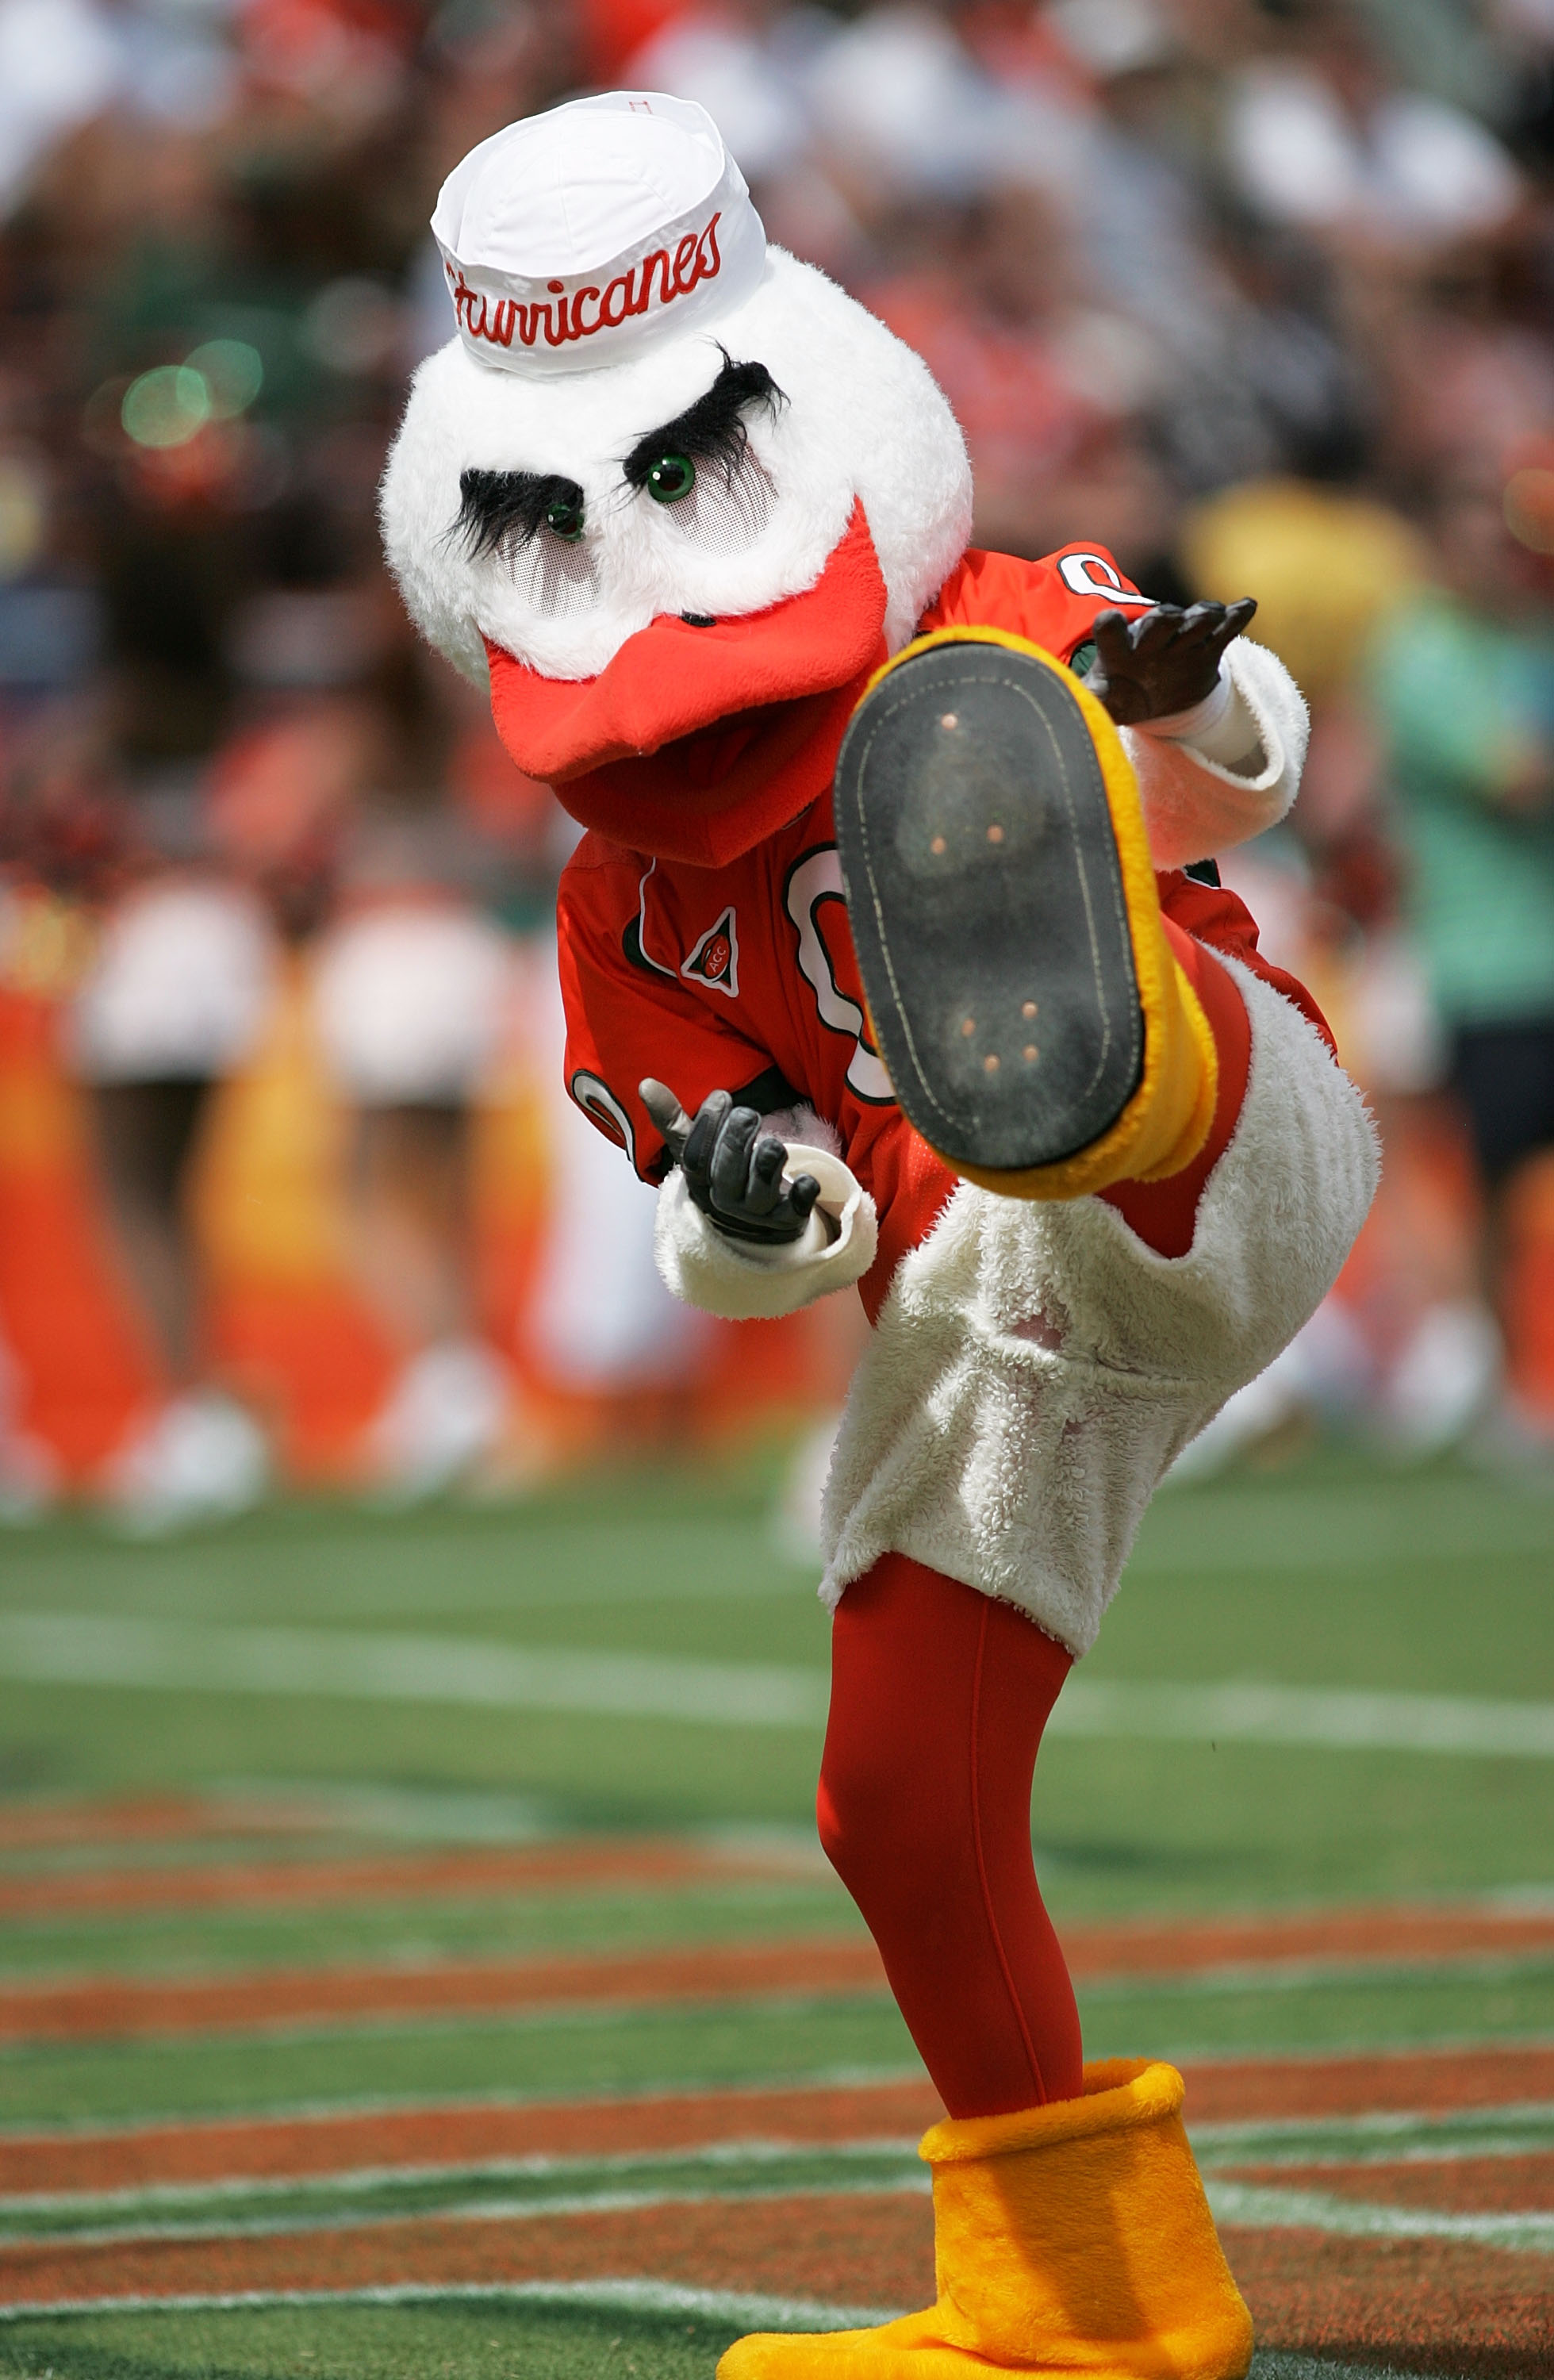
(939, 1699)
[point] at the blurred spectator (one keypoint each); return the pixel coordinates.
(1464, 691)
(59, 65)
(1323, 138)
(412, 994)
(1047, 385)
(177, 999)
(1328, 563)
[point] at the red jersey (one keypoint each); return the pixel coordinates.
(743, 978)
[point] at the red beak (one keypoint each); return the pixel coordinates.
(694, 743)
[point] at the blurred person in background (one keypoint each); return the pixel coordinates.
(1250, 374)
(71, 1366)
(507, 1252)
(1406, 1349)
(189, 981)
(174, 1000)
(1049, 386)
(413, 989)
(1324, 134)
(1463, 687)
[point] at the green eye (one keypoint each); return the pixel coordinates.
(672, 477)
(563, 518)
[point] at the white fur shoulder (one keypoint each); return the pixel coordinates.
(1195, 806)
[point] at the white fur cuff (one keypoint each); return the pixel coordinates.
(741, 1282)
(1196, 801)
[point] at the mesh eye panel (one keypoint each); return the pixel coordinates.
(724, 514)
(556, 576)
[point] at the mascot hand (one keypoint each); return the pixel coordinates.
(732, 1170)
(1164, 661)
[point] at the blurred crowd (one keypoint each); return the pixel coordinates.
(1258, 293)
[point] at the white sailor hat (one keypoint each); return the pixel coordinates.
(580, 236)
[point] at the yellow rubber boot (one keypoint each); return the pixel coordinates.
(1021, 989)
(1069, 2240)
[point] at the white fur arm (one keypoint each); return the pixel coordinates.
(740, 1280)
(1231, 773)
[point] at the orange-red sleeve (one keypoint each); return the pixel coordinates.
(626, 1018)
(1053, 601)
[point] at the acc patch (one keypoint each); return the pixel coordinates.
(716, 959)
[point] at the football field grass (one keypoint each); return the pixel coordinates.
(416, 1958)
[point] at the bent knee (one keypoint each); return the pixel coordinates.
(874, 1817)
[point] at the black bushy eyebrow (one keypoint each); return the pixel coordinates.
(714, 429)
(502, 511)
(506, 509)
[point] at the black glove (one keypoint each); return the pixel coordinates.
(1163, 661)
(732, 1170)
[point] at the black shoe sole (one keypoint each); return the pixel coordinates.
(988, 908)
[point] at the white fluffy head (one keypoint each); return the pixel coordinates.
(863, 421)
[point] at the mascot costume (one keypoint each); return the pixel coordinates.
(886, 960)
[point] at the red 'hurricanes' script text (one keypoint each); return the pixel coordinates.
(500, 320)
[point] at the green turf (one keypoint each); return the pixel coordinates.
(489, 2340)
(1492, 2132)
(502, 1927)
(451, 2340)
(1119, 1826)
(1338, 1577)
(604, 2051)
(589, 2050)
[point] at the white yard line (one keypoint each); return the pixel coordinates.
(1391, 2139)
(1481, 2149)
(476, 2210)
(1336, 1718)
(1415, 2138)
(186, 2209)
(1248, 2206)
(624, 2296)
(82, 1649)
(398, 2177)
(1255, 2207)
(76, 1649)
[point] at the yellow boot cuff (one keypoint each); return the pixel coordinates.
(1076, 2237)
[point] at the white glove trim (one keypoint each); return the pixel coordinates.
(1195, 804)
(742, 1280)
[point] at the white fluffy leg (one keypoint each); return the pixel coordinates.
(1037, 1368)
